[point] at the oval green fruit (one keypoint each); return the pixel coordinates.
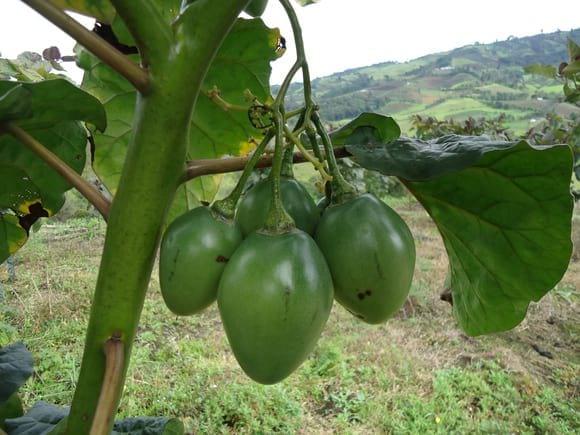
(371, 255)
(256, 8)
(255, 205)
(194, 252)
(274, 299)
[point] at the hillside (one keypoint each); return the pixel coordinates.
(475, 80)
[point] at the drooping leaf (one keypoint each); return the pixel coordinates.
(102, 10)
(43, 417)
(306, 2)
(30, 189)
(415, 159)
(243, 62)
(367, 128)
(67, 140)
(51, 101)
(504, 211)
(15, 368)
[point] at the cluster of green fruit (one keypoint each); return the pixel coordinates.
(275, 289)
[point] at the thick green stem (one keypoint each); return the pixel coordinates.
(227, 206)
(151, 174)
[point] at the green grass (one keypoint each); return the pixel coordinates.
(416, 374)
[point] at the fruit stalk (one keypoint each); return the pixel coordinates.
(227, 206)
(278, 221)
(341, 189)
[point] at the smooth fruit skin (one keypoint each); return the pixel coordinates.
(256, 8)
(274, 298)
(371, 255)
(255, 205)
(194, 252)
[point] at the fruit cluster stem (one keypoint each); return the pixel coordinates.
(227, 206)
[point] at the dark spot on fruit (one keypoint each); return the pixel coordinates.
(378, 265)
(222, 259)
(369, 292)
(287, 292)
(361, 296)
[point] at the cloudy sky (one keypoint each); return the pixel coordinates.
(342, 34)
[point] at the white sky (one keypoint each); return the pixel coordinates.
(342, 34)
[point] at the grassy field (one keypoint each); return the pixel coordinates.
(416, 374)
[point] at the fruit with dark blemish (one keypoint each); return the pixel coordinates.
(274, 298)
(371, 255)
(194, 252)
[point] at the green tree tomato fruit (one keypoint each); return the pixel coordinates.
(194, 252)
(256, 8)
(254, 207)
(274, 298)
(371, 255)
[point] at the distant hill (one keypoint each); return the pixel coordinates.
(475, 80)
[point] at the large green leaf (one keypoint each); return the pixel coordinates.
(415, 159)
(43, 417)
(67, 140)
(504, 210)
(48, 102)
(48, 111)
(243, 62)
(29, 188)
(102, 10)
(15, 368)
